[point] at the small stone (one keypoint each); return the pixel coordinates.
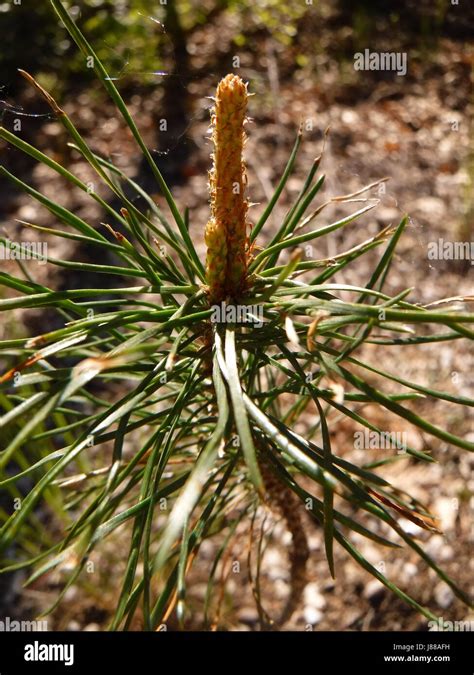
(409, 527)
(388, 214)
(434, 545)
(447, 511)
(446, 553)
(444, 596)
(314, 542)
(312, 615)
(349, 117)
(52, 129)
(313, 596)
(275, 564)
(410, 569)
(27, 212)
(430, 207)
(277, 572)
(71, 593)
(248, 615)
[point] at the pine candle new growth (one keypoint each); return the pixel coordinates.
(226, 232)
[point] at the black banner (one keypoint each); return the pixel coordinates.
(311, 652)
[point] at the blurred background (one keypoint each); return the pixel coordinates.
(298, 57)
